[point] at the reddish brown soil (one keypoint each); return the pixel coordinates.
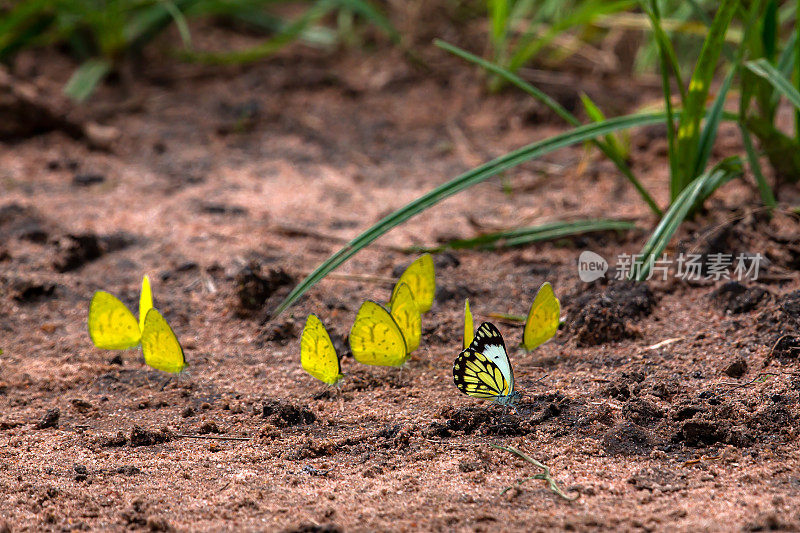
(274, 166)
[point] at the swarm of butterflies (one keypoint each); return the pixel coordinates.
(113, 327)
(386, 336)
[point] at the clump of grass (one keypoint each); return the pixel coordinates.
(691, 132)
(101, 33)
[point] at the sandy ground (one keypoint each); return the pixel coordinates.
(275, 166)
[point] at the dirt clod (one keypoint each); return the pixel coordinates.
(281, 413)
(627, 439)
(24, 223)
(786, 347)
(483, 420)
(114, 441)
(74, 251)
(157, 523)
(736, 369)
(26, 290)
(735, 298)
(208, 427)
(642, 412)
(254, 288)
(700, 432)
(314, 528)
(87, 179)
(144, 437)
(607, 315)
(281, 332)
(50, 419)
(81, 472)
(128, 470)
(213, 208)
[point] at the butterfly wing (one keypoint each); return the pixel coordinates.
(476, 375)
(160, 346)
(145, 301)
(111, 325)
(543, 318)
(421, 279)
(489, 342)
(405, 312)
(375, 338)
(317, 354)
(469, 328)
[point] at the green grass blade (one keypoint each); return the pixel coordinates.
(290, 33)
(464, 181)
(16, 23)
(769, 31)
(530, 234)
(699, 189)
(761, 67)
(498, 17)
(180, 22)
(694, 105)
(667, 64)
(669, 60)
(585, 12)
(85, 79)
(559, 110)
(512, 78)
(615, 145)
(713, 118)
(797, 67)
(767, 195)
(371, 13)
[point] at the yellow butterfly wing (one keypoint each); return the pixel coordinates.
(145, 301)
(160, 346)
(317, 354)
(469, 328)
(421, 279)
(375, 338)
(405, 312)
(111, 325)
(543, 318)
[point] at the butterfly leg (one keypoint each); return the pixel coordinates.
(169, 378)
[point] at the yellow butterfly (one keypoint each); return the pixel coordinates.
(406, 313)
(421, 279)
(384, 338)
(317, 354)
(160, 346)
(469, 328)
(113, 327)
(543, 318)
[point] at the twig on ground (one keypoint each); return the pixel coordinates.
(544, 476)
(209, 437)
(663, 343)
(760, 375)
(701, 459)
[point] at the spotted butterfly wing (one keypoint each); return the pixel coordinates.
(476, 375)
(489, 342)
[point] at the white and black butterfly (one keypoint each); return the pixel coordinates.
(483, 370)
